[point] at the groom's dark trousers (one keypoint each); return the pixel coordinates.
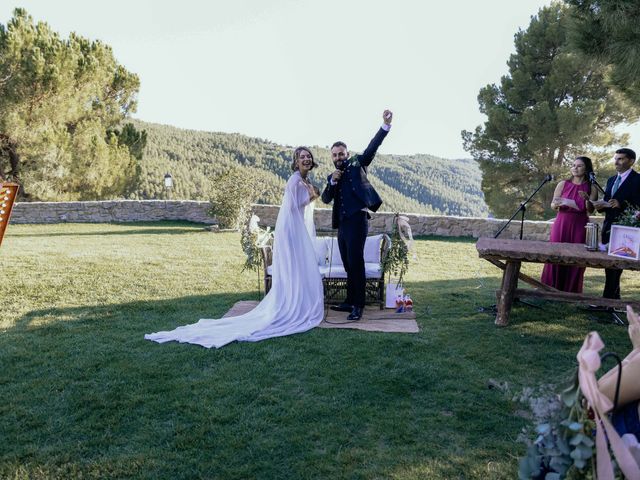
(352, 236)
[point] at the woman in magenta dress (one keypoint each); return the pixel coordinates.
(572, 199)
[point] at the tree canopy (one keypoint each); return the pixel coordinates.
(609, 31)
(553, 105)
(62, 102)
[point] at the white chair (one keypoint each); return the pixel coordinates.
(334, 276)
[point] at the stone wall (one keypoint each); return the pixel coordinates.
(111, 211)
(441, 225)
(155, 210)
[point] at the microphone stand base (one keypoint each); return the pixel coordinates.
(493, 309)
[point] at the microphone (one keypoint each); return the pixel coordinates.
(593, 181)
(548, 178)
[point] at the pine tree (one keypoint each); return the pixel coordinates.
(552, 106)
(60, 101)
(609, 31)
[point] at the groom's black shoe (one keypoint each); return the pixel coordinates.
(356, 314)
(343, 307)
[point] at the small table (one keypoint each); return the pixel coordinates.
(508, 255)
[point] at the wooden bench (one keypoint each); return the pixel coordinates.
(334, 277)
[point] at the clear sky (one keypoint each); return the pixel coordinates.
(306, 71)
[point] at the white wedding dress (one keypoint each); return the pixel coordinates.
(295, 302)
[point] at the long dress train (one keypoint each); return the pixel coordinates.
(295, 302)
(568, 227)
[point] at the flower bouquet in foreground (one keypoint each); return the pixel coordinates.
(595, 430)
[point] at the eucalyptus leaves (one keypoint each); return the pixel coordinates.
(563, 447)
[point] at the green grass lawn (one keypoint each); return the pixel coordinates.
(83, 395)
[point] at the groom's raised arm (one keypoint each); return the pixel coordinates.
(370, 152)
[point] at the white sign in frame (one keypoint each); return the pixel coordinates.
(625, 242)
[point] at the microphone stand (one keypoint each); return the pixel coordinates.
(593, 181)
(523, 207)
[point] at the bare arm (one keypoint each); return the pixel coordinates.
(555, 204)
(593, 196)
(313, 191)
(589, 198)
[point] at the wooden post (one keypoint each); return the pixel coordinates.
(8, 192)
(506, 294)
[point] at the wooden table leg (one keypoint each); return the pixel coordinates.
(507, 292)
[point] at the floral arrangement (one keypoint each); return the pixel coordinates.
(563, 447)
(396, 260)
(252, 239)
(630, 217)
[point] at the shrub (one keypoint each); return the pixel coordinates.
(233, 193)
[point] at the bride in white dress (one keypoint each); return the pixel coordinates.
(295, 302)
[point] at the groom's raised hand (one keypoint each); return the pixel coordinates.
(387, 116)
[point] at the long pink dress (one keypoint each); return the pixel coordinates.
(568, 227)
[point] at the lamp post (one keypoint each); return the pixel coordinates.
(168, 184)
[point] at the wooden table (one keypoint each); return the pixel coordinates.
(508, 255)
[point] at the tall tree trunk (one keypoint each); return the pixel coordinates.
(561, 151)
(546, 197)
(9, 148)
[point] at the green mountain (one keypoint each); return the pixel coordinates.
(407, 183)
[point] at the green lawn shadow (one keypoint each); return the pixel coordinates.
(87, 383)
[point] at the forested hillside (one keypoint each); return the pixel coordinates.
(407, 183)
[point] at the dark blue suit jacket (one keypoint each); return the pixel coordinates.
(355, 178)
(627, 194)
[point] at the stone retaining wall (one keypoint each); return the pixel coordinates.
(111, 211)
(155, 210)
(441, 225)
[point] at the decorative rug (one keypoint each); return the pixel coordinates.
(373, 319)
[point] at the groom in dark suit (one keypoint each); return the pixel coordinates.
(622, 191)
(353, 197)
